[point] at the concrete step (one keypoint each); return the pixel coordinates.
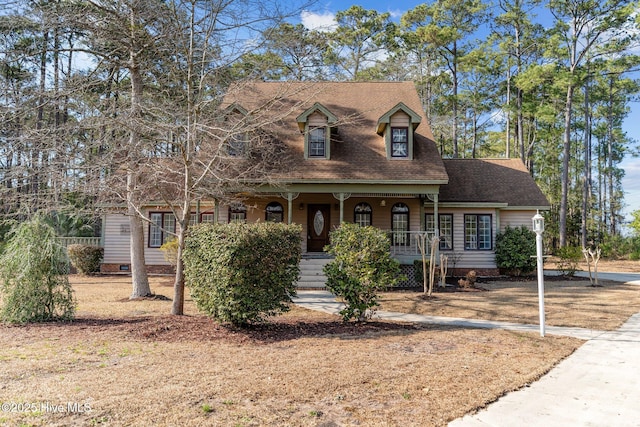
(311, 275)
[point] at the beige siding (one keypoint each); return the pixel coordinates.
(469, 258)
(116, 239)
(515, 219)
(317, 120)
(399, 119)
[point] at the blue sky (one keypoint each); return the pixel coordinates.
(322, 16)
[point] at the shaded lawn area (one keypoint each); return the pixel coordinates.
(131, 363)
(571, 303)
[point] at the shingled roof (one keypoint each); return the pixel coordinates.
(357, 151)
(502, 181)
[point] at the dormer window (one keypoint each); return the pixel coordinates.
(316, 124)
(399, 142)
(236, 141)
(317, 142)
(397, 126)
(237, 145)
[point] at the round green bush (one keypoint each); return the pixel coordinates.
(85, 258)
(516, 250)
(361, 268)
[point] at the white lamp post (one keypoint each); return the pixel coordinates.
(538, 228)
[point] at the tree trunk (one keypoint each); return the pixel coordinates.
(177, 306)
(586, 184)
(566, 154)
(139, 278)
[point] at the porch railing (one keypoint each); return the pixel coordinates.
(406, 242)
(92, 241)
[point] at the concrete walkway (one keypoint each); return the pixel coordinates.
(598, 385)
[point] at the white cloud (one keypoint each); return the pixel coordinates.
(318, 21)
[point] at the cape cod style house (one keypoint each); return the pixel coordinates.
(360, 152)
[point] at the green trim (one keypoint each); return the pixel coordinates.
(302, 118)
(385, 119)
(236, 107)
(356, 187)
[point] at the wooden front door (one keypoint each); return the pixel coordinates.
(317, 227)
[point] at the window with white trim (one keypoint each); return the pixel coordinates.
(238, 213)
(400, 224)
(477, 232)
(399, 142)
(274, 212)
(362, 214)
(445, 224)
(317, 142)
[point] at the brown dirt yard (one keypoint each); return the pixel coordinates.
(124, 362)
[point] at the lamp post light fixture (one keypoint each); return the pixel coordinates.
(538, 228)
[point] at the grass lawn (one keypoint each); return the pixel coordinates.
(128, 362)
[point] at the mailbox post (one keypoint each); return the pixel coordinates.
(538, 228)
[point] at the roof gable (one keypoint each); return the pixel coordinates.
(302, 118)
(385, 119)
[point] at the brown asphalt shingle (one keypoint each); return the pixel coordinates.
(491, 180)
(357, 151)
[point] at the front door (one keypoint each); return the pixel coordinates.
(317, 227)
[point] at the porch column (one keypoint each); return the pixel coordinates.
(290, 198)
(216, 211)
(436, 221)
(341, 197)
(289, 208)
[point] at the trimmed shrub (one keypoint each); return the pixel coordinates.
(85, 258)
(516, 250)
(33, 276)
(569, 258)
(362, 267)
(170, 251)
(242, 273)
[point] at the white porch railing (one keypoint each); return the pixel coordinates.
(406, 242)
(92, 241)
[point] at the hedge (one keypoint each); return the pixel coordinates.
(242, 273)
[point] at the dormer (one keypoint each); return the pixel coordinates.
(397, 126)
(236, 142)
(316, 124)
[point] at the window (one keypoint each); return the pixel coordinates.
(399, 142)
(207, 217)
(400, 224)
(238, 213)
(317, 142)
(362, 214)
(274, 212)
(237, 144)
(445, 222)
(477, 232)
(161, 227)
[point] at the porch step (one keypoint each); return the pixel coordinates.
(311, 275)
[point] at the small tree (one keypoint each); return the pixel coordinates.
(362, 267)
(33, 276)
(516, 250)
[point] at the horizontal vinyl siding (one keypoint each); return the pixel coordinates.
(469, 258)
(116, 239)
(317, 120)
(399, 119)
(516, 219)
